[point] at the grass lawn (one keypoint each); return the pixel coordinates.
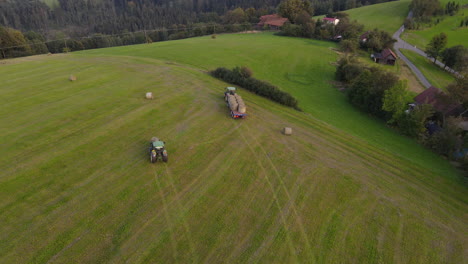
(434, 74)
(385, 16)
(77, 185)
(450, 25)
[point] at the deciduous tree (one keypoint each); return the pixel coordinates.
(436, 45)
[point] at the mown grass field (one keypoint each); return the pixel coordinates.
(434, 74)
(385, 16)
(450, 25)
(303, 67)
(77, 186)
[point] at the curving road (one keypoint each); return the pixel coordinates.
(401, 44)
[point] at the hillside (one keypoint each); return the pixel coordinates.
(450, 25)
(77, 185)
(303, 67)
(385, 16)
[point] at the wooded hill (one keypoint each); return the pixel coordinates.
(82, 17)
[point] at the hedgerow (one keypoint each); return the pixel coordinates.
(242, 76)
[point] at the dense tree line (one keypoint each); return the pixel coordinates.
(84, 17)
(382, 95)
(242, 76)
(14, 43)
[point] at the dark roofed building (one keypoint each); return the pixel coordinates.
(364, 37)
(439, 101)
(273, 22)
(387, 56)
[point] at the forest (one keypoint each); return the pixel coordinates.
(76, 18)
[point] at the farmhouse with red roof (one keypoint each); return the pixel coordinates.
(439, 101)
(273, 22)
(331, 20)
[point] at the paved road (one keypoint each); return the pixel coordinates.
(401, 44)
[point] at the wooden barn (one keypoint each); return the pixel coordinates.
(387, 56)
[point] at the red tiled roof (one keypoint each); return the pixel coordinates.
(272, 20)
(331, 19)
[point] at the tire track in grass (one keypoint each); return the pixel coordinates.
(166, 215)
(184, 221)
(397, 257)
(269, 240)
(285, 189)
(275, 197)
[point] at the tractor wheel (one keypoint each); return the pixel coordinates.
(153, 157)
(165, 157)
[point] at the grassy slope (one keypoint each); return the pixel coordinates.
(434, 74)
(76, 183)
(449, 25)
(386, 16)
(300, 66)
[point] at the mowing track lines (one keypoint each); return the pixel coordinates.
(397, 257)
(100, 130)
(275, 197)
(184, 221)
(298, 219)
(195, 186)
(240, 248)
(354, 146)
(166, 215)
(82, 224)
(269, 240)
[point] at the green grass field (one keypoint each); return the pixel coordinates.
(77, 185)
(51, 3)
(450, 25)
(434, 74)
(385, 16)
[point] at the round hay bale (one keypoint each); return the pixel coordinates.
(72, 78)
(232, 103)
(149, 95)
(287, 131)
(242, 109)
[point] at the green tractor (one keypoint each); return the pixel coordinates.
(157, 150)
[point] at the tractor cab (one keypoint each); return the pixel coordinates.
(158, 144)
(230, 90)
(157, 150)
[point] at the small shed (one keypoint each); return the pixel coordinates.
(387, 56)
(364, 37)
